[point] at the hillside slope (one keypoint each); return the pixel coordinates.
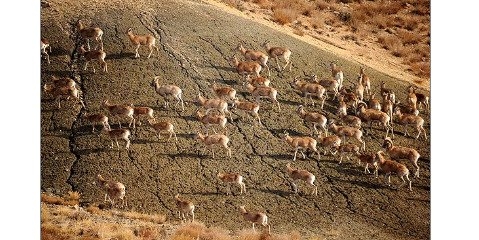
(196, 40)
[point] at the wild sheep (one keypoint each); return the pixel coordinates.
(347, 149)
(44, 44)
(359, 89)
(141, 111)
(227, 93)
(255, 217)
(97, 118)
(422, 99)
(209, 119)
(59, 92)
(389, 167)
(387, 107)
(258, 81)
(349, 120)
(346, 131)
(399, 152)
(411, 97)
(365, 81)
(264, 92)
(231, 178)
(300, 174)
(369, 159)
(215, 139)
(301, 143)
(120, 110)
(374, 103)
(164, 126)
(115, 134)
(329, 142)
(348, 97)
(276, 52)
(408, 119)
(310, 89)
(314, 118)
(337, 73)
(245, 68)
(184, 206)
(138, 40)
(253, 55)
(370, 115)
(90, 33)
(330, 84)
(167, 91)
(251, 107)
(114, 190)
(98, 55)
(216, 103)
(63, 82)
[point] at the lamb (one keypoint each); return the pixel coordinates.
(164, 126)
(230, 178)
(276, 52)
(140, 111)
(264, 92)
(301, 143)
(208, 119)
(337, 74)
(388, 167)
(370, 115)
(116, 134)
(215, 139)
(255, 217)
(246, 68)
(167, 91)
(304, 175)
(399, 152)
(217, 103)
(347, 149)
(309, 89)
(248, 106)
(97, 118)
(314, 118)
(369, 159)
(346, 131)
(44, 44)
(331, 142)
(114, 190)
(184, 206)
(120, 110)
(98, 55)
(258, 81)
(90, 33)
(252, 55)
(59, 92)
(409, 119)
(138, 40)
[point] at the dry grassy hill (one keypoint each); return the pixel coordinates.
(195, 40)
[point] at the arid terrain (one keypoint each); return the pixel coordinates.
(196, 40)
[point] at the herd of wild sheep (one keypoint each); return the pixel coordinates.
(357, 107)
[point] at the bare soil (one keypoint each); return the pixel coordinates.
(196, 39)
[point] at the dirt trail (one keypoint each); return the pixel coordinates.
(196, 41)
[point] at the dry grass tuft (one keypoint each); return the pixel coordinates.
(70, 199)
(284, 15)
(154, 218)
(249, 234)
